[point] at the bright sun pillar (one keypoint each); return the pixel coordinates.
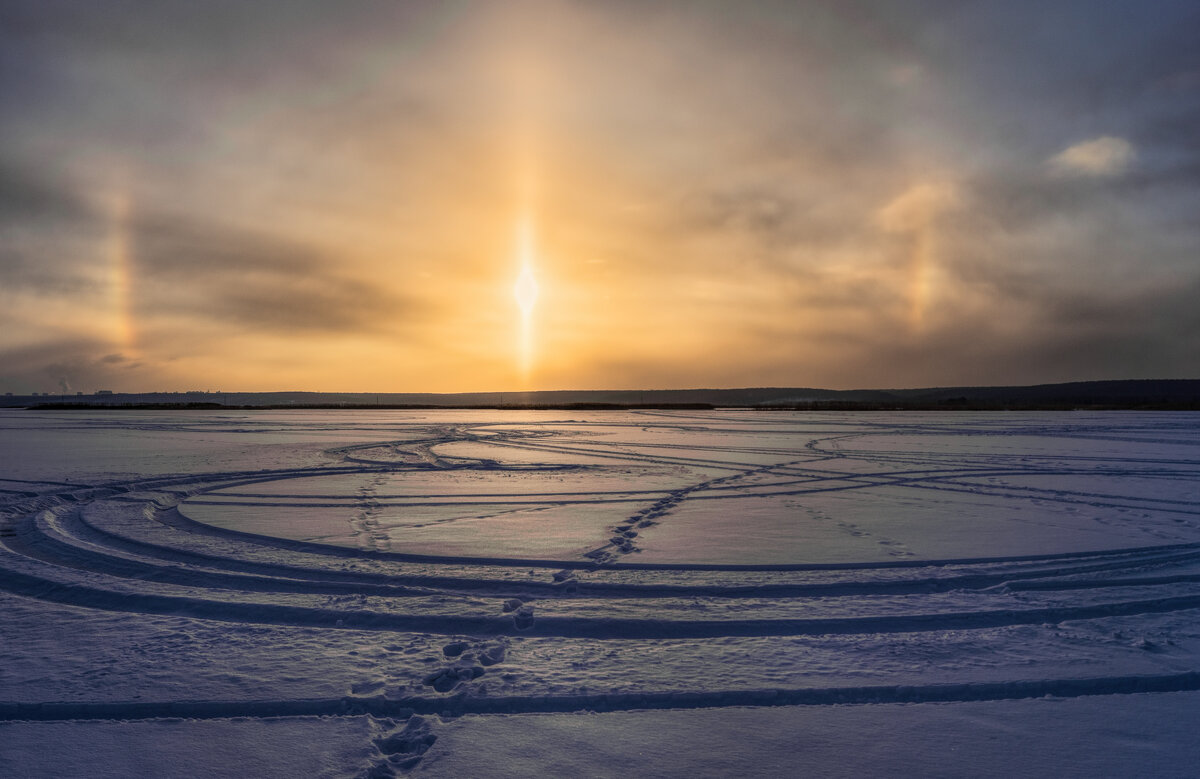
(526, 293)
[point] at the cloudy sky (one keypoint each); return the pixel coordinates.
(832, 193)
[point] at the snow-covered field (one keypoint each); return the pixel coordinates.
(480, 593)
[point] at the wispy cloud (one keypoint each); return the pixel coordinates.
(1099, 157)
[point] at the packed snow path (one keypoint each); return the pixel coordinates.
(408, 568)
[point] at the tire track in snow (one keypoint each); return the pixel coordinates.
(98, 560)
(459, 705)
(62, 540)
(87, 596)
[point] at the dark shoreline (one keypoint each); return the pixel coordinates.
(818, 406)
(1125, 394)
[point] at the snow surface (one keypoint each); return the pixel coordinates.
(474, 593)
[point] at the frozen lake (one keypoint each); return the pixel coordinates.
(477, 593)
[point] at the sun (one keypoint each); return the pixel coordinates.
(525, 290)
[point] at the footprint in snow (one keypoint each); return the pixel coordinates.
(471, 659)
(446, 679)
(523, 617)
(399, 749)
(487, 652)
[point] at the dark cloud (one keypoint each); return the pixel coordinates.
(765, 214)
(26, 196)
(41, 222)
(217, 275)
(1019, 197)
(23, 271)
(778, 219)
(1102, 334)
(76, 362)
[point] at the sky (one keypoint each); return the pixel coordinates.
(586, 194)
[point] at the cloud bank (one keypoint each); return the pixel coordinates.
(297, 196)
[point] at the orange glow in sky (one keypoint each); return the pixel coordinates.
(703, 194)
